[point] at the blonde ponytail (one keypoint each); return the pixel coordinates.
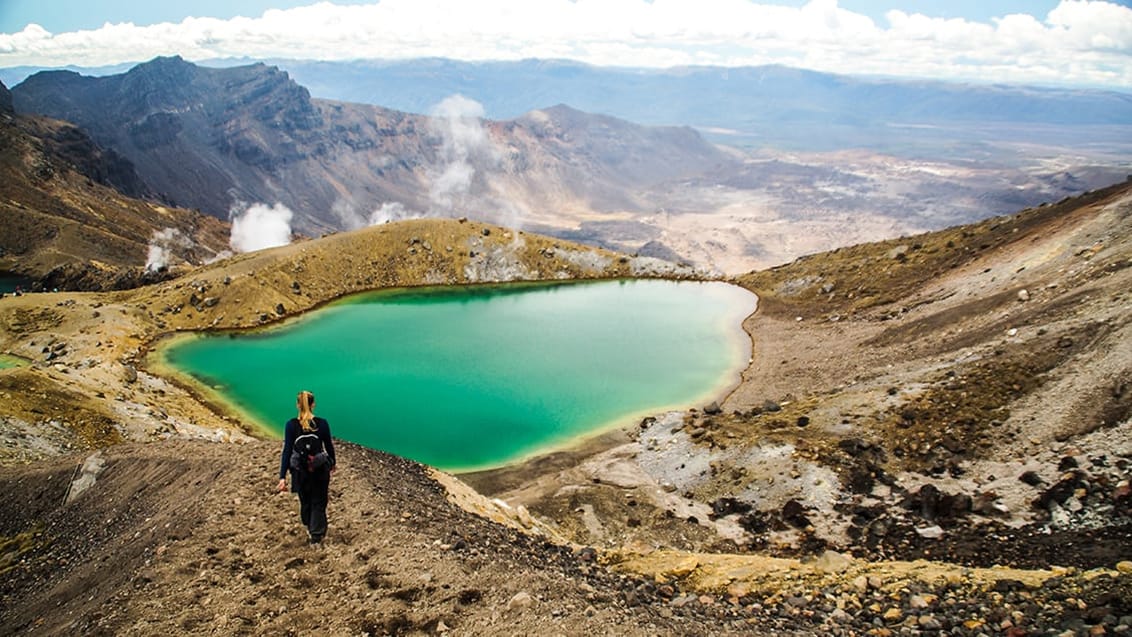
(306, 413)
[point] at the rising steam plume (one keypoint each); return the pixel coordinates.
(457, 120)
(258, 227)
(162, 246)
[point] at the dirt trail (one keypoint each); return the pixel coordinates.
(174, 539)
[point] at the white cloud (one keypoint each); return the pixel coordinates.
(259, 227)
(1080, 42)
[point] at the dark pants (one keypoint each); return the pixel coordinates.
(313, 494)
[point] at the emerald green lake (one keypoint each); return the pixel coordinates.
(474, 377)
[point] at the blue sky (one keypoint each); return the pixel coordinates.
(58, 16)
(1043, 42)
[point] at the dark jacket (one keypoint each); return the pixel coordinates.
(292, 431)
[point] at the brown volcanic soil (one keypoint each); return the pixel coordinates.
(129, 558)
(876, 370)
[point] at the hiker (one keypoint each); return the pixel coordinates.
(308, 453)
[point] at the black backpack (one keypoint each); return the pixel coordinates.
(308, 454)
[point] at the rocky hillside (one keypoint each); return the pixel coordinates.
(70, 213)
(932, 438)
(217, 138)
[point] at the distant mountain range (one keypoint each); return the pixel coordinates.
(767, 163)
(761, 106)
(212, 138)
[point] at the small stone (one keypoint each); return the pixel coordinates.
(833, 562)
(520, 601)
(1124, 567)
(1023, 295)
(893, 615)
(928, 622)
(797, 602)
(933, 532)
(524, 516)
(794, 514)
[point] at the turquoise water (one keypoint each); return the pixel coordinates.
(473, 377)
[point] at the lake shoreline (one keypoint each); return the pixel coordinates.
(581, 444)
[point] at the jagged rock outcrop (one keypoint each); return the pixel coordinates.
(101, 165)
(201, 137)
